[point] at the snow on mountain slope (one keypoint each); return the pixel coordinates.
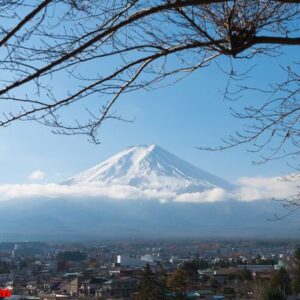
(150, 167)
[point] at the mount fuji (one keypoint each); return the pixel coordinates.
(150, 170)
(150, 167)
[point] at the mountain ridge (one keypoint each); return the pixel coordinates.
(150, 167)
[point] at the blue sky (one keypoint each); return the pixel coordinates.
(178, 118)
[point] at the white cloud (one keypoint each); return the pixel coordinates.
(13, 191)
(213, 195)
(248, 189)
(257, 188)
(37, 175)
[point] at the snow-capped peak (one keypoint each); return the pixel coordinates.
(150, 167)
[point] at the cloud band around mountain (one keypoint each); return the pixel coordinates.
(248, 189)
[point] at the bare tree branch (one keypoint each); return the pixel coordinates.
(62, 39)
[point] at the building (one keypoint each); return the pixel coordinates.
(257, 268)
(121, 288)
(130, 262)
(53, 297)
(67, 287)
(88, 287)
